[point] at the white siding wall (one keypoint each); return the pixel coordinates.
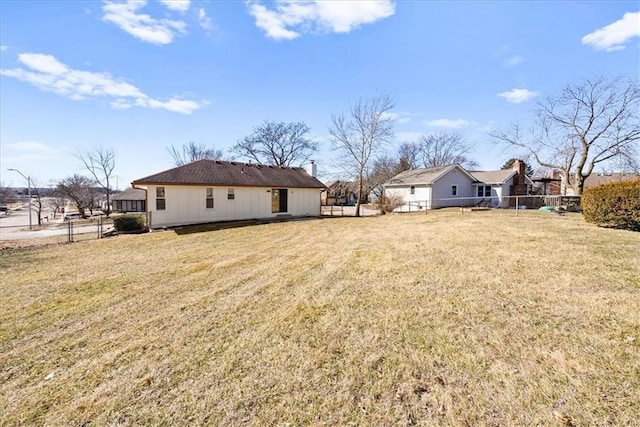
(505, 193)
(442, 189)
(413, 202)
(187, 204)
(500, 192)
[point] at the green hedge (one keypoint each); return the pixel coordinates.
(129, 223)
(615, 205)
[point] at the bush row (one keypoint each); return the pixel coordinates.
(615, 205)
(129, 222)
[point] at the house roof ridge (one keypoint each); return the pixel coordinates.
(232, 173)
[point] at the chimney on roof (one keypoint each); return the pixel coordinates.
(520, 167)
(312, 168)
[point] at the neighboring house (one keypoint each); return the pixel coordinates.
(129, 200)
(453, 185)
(209, 191)
(600, 178)
(341, 193)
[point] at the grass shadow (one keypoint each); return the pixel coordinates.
(223, 225)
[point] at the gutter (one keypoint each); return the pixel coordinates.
(146, 202)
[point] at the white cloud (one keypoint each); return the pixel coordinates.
(517, 96)
(514, 60)
(48, 74)
(447, 123)
(614, 36)
(4, 47)
(400, 117)
(205, 21)
(181, 6)
(26, 151)
(144, 27)
(291, 18)
(408, 136)
(30, 147)
(43, 63)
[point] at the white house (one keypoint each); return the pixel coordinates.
(453, 185)
(209, 191)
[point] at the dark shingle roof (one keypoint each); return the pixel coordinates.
(493, 177)
(130, 194)
(217, 172)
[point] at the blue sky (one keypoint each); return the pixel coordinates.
(139, 77)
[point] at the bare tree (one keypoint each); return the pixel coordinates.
(56, 202)
(361, 134)
(278, 143)
(7, 196)
(594, 121)
(409, 155)
(80, 189)
(386, 167)
(192, 152)
(39, 198)
(442, 149)
(382, 170)
(100, 162)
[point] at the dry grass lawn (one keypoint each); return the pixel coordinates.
(438, 319)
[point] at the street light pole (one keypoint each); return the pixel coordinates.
(29, 186)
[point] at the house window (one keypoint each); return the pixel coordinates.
(231, 195)
(454, 190)
(413, 189)
(484, 191)
(332, 193)
(342, 192)
(160, 199)
(209, 198)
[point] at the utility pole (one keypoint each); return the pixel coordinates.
(29, 186)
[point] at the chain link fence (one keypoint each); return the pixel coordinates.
(518, 203)
(554, 203)
(50, 232)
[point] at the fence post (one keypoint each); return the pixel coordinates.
(517, 206)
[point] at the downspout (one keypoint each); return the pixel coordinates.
(146, 204)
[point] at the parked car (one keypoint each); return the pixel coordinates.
(72, 215)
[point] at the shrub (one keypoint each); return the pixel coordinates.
(615, 205)
(129, 223)
(389, 203)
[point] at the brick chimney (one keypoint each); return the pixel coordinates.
(519, 187)
(520, 167)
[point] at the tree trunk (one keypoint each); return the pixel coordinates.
(359, 195)
(578, 184)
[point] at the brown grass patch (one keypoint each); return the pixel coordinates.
(438, 319)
